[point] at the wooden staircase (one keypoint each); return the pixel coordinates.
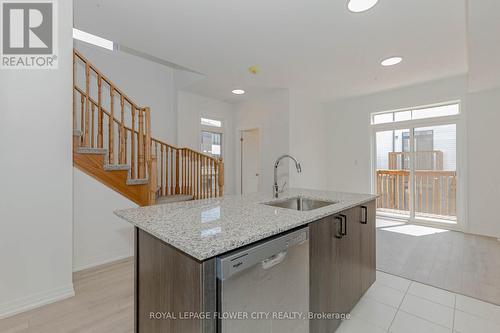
(112, 142)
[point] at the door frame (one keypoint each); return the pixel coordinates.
(461, 156)
(239, 157)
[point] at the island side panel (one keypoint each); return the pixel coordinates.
(169, 281)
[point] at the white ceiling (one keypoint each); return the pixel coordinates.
(314, 45)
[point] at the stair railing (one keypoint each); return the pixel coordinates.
(186, 171)
(106, 118)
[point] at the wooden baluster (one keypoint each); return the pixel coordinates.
(82, 121)
(379, 189)
(152, 178)
(436, 195)
(125, 149)
(446, 195)
(183, 156)
(147, 143)
(427, 199)
(122, 131)
(420, 193)
(221, 177)
(195, 166)
(140, 146)
(162, 170)
(87, 105)
(212, 183)
(74, 91)
(92, 133)
(172, 190)
(100, 113)
(216, 178)
(397, 192)
(404, 191)
(132, 144)
(111, 125)
(177, 167)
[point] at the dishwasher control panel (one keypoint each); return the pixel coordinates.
(230, 264)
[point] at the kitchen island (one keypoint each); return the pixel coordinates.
(177, 246)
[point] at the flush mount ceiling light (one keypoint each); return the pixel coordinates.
(93, 39)
(391, 61)
(358, 6)
(238, 91)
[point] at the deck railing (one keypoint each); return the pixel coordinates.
(435, 192)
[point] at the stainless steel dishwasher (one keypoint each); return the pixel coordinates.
(265, 288)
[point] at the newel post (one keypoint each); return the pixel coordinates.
(221, 177)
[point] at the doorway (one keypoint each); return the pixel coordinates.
(415, 166)
(250, 161)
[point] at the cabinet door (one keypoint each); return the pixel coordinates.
(349, 256)
(368, 245)
(324, 277)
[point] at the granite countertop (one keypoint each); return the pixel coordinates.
(206, 228)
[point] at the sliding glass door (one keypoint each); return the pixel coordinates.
(415, 165)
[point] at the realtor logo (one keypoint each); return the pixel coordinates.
(28, 34)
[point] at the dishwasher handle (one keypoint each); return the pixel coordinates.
(274, 260)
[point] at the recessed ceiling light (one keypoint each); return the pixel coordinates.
(358, 6)
(93, 39)
(391, 61)
(238, 91)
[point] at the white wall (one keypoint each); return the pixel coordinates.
(308, 141)
(190, 107)
(36, 180)
(269, 113)
(484, 161)
(99, 235)
(145, 82)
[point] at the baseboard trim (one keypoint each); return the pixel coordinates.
(36, 300)
(102, 260)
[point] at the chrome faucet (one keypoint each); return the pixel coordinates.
(276, 164)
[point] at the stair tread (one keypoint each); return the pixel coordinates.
(138, 181)
(173, 198)
(111, 167)
(86, 150)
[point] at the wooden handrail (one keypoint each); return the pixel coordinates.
(172, 170)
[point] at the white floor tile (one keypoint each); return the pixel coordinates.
(407, 323)
(478, 308)
(355, 325)
(433, 312)
(386, 295)
(393, 281)
(373, 312)
(467, 323)
(432, 294)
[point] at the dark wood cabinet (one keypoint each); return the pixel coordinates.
(342, 263)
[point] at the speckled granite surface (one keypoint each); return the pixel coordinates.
(207, 228)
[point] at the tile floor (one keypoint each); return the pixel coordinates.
(394, 304)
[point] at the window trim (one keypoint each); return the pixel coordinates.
(419, 107)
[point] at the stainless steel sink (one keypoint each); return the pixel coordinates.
(300, 203)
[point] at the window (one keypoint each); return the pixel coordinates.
(211, 137)
(211, 122)
(417, 113)
(211, 143)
